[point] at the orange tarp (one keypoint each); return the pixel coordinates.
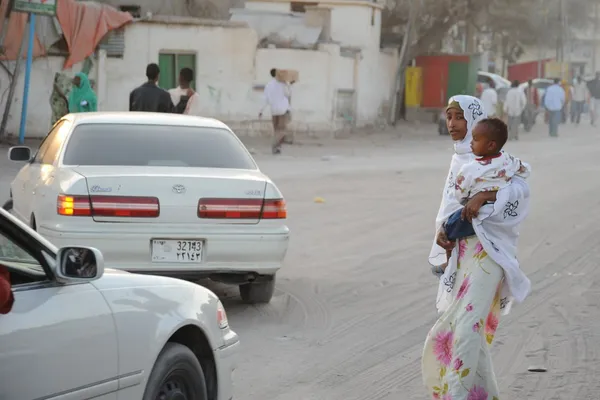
(84, 24)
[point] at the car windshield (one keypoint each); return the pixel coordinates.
(155, 145)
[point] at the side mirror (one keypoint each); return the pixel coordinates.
(19, 153)
(79, 264)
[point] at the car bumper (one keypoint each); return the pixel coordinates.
(261, 253)
(226, 359)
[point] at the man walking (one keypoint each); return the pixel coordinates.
(489, 98)
(533, 102)
(184, 98)
(594, 88)
(554, 101)
(579, 97)
(277, 97)
(149, 97)
(513, 108)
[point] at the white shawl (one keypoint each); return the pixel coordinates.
(497, 225)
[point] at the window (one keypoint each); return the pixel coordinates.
(170, 64)
(134, 10)
(22, 266)
(50, 147)
(39, 156)
(156, 145)
(114, 43)
(300, 6)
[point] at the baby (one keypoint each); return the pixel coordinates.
(491, 170)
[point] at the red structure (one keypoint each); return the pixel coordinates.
(435, 77)
(527, 70)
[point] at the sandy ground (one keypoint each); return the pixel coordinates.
(356, 298)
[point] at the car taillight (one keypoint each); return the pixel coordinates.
(222, 316)
(241, 208)
(109, 206)
(74, 205)
(274, 209)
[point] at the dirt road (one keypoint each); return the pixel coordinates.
(356, 298)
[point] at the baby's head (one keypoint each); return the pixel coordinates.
(489, 136)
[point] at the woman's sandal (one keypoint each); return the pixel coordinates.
(438, 270)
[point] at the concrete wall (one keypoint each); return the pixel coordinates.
(230, 73)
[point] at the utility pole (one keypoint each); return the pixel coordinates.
(398, 86)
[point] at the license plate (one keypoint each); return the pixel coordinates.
(177, 251)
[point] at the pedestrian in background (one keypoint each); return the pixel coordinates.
(149, 97)
(82, 97)
(565, 111)
(579, 95)
(554, 102)
(594, 89)
(514, 106)
(277, 97)
(184, 98)
(489, 98)
(533, 103)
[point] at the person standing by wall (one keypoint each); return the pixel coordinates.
(82, 97)
(514, 106)
(579, 97)
(149, 97)
(277, 97)
(554, 101)
(594, 89)
(184, 98)
(489, 98)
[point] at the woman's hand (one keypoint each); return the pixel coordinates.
(471, 209)
(443, 242)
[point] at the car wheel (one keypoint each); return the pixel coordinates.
(258, 292)
(8, 205)
(177, 375)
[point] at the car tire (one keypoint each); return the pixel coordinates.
(177, 373)
(8, 206)
(258, 292)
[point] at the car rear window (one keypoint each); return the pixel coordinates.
(155, 145)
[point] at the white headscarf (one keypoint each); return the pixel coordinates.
(474, 112)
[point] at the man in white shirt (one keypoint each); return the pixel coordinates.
(184, 98)
(489, 98)
(579, 95)
(514, 106)
(277, 97)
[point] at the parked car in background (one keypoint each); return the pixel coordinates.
(160, 194)
(78, 331)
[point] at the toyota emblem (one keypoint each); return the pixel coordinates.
(179, 189)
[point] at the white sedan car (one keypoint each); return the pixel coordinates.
(161, 194)
(78, 332)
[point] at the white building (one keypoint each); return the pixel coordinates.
(343, 81)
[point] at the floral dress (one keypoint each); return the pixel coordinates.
(456, 362)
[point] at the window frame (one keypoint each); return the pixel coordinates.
(33, 247)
